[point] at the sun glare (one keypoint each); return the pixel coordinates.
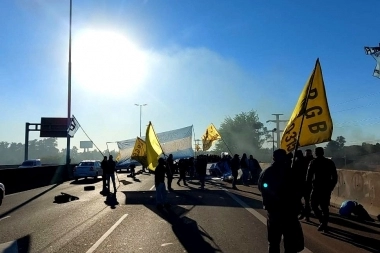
(104, 61)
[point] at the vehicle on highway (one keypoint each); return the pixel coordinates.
(88, 168)
(31, 163)
(127, 165)
(2, 193)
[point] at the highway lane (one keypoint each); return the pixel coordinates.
(213, 220)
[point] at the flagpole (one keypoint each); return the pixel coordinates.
(223, 141)
(303, 114)
(195, 143)
(89, 137)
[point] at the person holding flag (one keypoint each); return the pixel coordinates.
(157, 164)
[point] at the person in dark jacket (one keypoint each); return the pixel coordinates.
(245, 169)
(104, 165)
(306, 208)
(281, 200)
(159, 180)
(111, 173)
(201, 166)
(322, 177)
(182, 166)
(235, 166)
(171, 168)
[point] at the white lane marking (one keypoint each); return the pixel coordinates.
(151, 188)
(256, 214)
(166, 244)
(96, 245)
(5, 218)
(9, 247)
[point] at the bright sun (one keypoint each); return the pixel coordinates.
(104, 61)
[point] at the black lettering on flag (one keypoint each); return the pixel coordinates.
(318, 127)
(313, 111)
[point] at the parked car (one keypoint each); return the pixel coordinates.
(2, 193)
(88, 168)
(30, 163)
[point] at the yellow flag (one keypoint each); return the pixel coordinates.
(139, 152)
(313, 109)
(209, 137)
(118, 156)
(153, 147)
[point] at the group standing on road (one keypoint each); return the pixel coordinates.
(284, 184)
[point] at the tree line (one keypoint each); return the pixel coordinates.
(47, 150)
(243, 133)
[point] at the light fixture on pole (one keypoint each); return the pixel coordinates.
(140, 114)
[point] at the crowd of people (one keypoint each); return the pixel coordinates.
(285, 183)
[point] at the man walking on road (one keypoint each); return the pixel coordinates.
(322, 176)
(104, 165)
(170, 167)
(235, 166)
(159, 179)
(306, 190)
(111, 173)
(281, 196)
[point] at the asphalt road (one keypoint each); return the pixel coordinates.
(217, 219)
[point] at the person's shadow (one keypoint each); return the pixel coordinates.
(192, 237)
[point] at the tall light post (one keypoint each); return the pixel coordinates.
(69, 94)
(274, 130)
(140, 113)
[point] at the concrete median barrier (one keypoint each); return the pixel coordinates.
(16, 180)
(361, 186)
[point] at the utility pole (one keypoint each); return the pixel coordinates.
(196, 144)
(278, 131)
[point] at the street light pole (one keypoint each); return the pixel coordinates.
(69, 94)
(274, 130)
(140, 113)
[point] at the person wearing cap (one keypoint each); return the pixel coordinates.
(281, 197)
(159, 179)
(111, 173)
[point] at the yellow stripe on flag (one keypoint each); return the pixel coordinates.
(209, 137)
(153, 147)
(312, 108)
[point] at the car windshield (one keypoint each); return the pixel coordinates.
(86, 164)
(28, 163)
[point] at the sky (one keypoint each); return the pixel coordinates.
(191, 62)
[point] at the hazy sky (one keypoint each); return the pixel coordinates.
(192, 62)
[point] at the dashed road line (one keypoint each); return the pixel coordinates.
(5, 218)
(96, 245)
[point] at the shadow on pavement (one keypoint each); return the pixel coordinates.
(347, 223)
(23, 244)
(86, 181)
(26, 202)
(355, 219)
(369, 244)
(192, 237)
